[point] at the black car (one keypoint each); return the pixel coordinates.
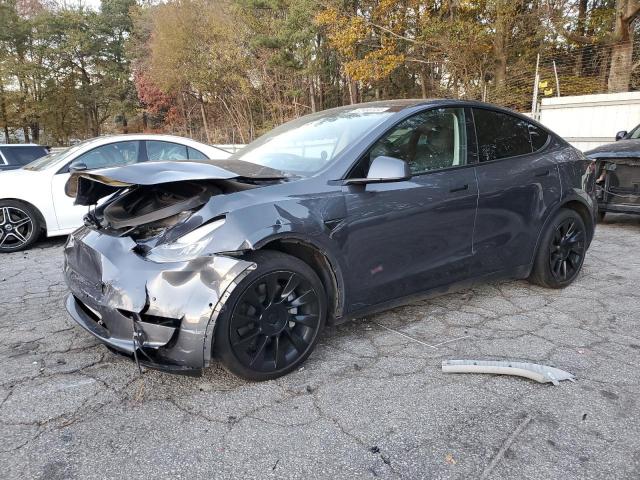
(14, 155)
(617, 167)
(334, 215)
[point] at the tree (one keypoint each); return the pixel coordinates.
(603, 23)
(448, 48)
(230, 70)
(626, 12)
(114, 28)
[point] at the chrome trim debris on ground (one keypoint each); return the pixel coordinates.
(533, 371)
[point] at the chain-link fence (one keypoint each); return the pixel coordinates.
(581, 71)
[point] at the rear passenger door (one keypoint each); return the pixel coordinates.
(518, 182)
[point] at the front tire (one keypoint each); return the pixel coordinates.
(20, 226)
(272, 320)
(561, 251)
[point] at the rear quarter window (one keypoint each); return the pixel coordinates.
(538, 136)
(196, 154)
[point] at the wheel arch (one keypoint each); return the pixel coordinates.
(41, 218)
(322, 263)
(579, 206)
(585, 214)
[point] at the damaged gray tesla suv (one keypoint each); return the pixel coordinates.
(334, 215)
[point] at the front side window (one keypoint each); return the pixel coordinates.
(428, 141)
(111, 155)
(158, 151)
(501, 135)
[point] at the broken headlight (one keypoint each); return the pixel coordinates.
(187, 247)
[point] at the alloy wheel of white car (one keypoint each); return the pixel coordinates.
(18, 226)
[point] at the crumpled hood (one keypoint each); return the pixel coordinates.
(619, 149)
(89, 187)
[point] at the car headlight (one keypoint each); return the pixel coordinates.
(187, 247)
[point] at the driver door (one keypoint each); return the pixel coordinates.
(115, 154)
(411, 236)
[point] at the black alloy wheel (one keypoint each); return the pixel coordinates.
(561, 250)
(275, 318)
(566, 251)
(19, 226)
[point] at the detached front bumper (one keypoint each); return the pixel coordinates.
(171, 307)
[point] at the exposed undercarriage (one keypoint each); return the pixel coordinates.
(618, 185)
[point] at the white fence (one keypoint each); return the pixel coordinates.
(587, 121)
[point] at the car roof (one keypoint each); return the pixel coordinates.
(2, 145)
(398, 106)
(404, 104)
(108, 139)
(138, 136)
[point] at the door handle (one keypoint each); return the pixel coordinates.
(542, 173)
(460, 188)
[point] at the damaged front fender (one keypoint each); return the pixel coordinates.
(177, 303)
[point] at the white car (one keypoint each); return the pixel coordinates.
(32, 198)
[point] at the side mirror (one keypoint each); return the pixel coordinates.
(77, 166)
(621, 134)
(382, 170)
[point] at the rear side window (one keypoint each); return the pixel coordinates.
(22, 155)
(501, 135)
(159, 150)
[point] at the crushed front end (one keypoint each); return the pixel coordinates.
(143, 275)
(618, 184)
(163, 314)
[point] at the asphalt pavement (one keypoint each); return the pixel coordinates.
(370, 402)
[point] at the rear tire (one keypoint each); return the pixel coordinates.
(601, 216)
(561, 251)
(20, 226)
(272, 320)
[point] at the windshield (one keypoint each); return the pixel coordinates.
(308, 144)
(20, 155)
(635, 133)
(44, 162)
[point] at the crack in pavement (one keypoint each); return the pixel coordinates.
(373, 382)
